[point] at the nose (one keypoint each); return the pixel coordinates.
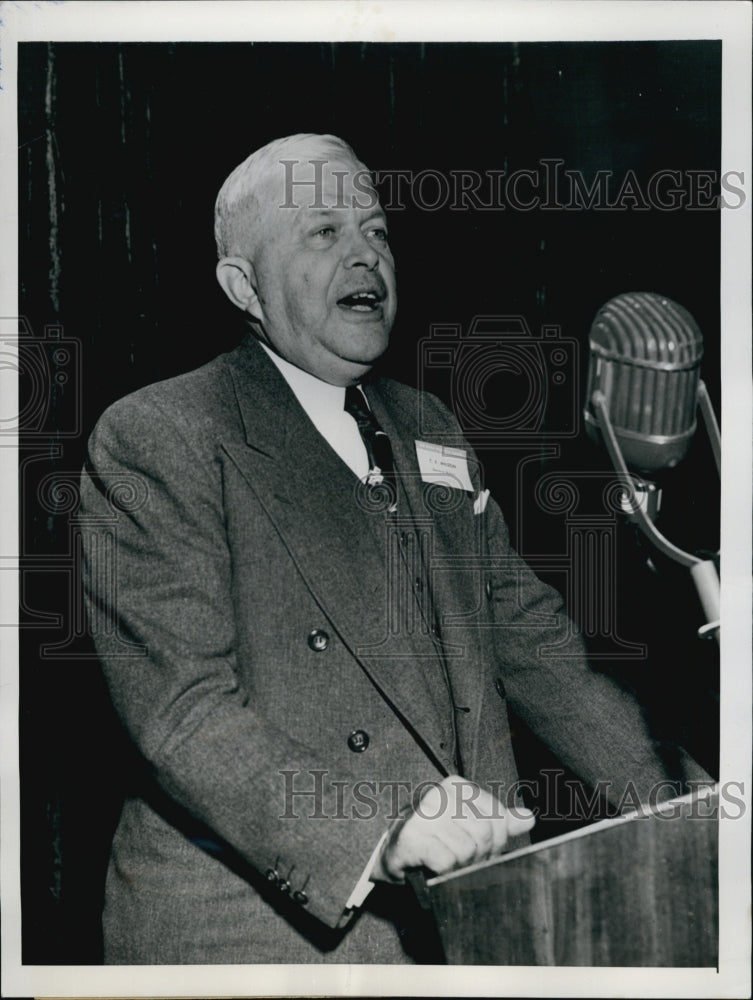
(360, 252)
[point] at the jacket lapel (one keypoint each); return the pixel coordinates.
(339, 549)
(456, 552)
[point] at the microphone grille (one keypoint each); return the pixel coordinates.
(644, 326)
(647, 351)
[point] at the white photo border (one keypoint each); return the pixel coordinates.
(404, 21)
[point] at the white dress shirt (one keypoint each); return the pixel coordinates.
(325, 407)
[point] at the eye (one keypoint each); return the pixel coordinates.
(378, 233)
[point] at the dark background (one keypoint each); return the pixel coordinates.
(122, 150)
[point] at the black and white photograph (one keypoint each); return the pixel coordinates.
(376, 429)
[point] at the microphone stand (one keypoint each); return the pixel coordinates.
(703, 571)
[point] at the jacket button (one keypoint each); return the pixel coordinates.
(283, 885)
(318, 640)
(271, 874)
(358, 740)
(489, 589)
(300, 897)
(500, 686)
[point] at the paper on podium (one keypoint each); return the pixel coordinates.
(638, 890)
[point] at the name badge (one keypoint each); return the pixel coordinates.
(445, 466)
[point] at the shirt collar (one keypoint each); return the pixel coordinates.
(314, 395)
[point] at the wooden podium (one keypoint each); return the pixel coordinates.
(639, 890)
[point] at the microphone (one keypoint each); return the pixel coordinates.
(645, 357)
(643, 392)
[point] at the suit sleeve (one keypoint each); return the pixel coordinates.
(168, 589)
(593, 726)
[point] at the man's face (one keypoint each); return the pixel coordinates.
(324, 272)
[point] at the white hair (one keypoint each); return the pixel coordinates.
(240, 202)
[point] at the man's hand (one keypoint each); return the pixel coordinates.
(456, 823)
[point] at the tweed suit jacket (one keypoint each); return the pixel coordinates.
(249, 624)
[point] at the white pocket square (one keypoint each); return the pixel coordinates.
(479, 504)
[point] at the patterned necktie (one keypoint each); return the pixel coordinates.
(377, 444)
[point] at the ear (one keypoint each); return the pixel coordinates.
(238, 281)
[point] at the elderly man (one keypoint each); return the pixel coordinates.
(319, 615)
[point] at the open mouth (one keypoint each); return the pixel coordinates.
(365, 301)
